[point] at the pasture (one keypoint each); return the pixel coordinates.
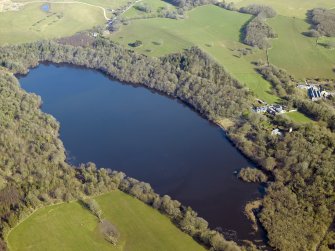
(113, 4)
(70, 226)
(31, 23)
(290, 8)
(213, 29)
(298, 54)
(153, 4)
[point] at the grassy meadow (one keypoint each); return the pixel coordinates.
(154, 5)
(290, 8)
(298, 54)
(213, 29)
(31, 23)
(70, 226)
(298, 117)
(103, 3)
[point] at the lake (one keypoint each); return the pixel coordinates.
(148, 136)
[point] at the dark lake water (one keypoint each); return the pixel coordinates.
(148, 136)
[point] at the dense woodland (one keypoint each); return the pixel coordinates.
(298, 208)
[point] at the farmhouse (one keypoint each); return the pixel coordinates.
(276, 132)
(271, 109)
(261, 109)
(315, 92)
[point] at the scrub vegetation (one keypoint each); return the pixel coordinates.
(323, 21)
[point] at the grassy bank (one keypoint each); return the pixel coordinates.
(70, 226)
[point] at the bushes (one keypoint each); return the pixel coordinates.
(110, 232)
(280, 79)
(137, 43)
(323, 21)
(227, 6)
(252, 175)
(189, 4)
(259, 10)
(115, 25)
(143, 7)
(94, 207)
(257, 33)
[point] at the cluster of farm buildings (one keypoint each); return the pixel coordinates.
(315, 92)
(271, 109)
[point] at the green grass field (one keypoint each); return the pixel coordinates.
(103, 3)
(31, 23)
(291, 8)
(299, 54)
(298, 117)
(213, 29)
(70, 226)
(154, 5)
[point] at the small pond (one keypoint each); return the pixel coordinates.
(45, 7)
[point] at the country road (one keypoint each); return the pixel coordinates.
(112, 20)
(72, 2)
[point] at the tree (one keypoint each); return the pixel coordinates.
(110, 232)
(137, 43)
(143, 7)
(114, 26)
(313, 33)
(259, 10)
(252, 175)
(94, 207)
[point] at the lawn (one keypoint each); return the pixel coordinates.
(299, 54)
(70, 226)
(291, 8)
(298, 117)
(31, 23)
(213, 29)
